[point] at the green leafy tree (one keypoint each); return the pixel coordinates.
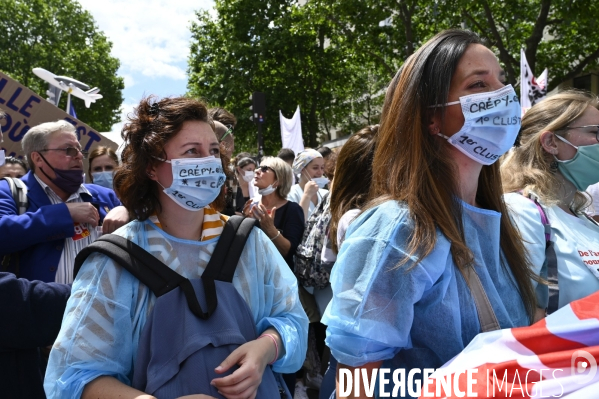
(559, 35)
(335, 58)
(291, 53)
(58, 35)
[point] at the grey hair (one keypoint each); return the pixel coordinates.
(36, 138)
(283, 172)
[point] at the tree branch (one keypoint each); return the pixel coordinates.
(504, 55)
(532, 43)
(581, 65)
(406, 16)
(471, 18)
(350, 35)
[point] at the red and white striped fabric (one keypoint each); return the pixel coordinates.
(556, 357)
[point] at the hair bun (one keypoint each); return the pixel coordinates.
(154, 110)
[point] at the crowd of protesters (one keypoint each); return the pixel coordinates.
(240, 277)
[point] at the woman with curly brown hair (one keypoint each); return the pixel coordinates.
(170, 181)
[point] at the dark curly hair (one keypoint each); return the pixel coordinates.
(153, 123)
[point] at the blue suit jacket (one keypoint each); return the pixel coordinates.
(31, 314)
(38, 235)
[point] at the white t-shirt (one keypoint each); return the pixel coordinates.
(295, 195)
(576, 243)
(328, 256)
(593, 191)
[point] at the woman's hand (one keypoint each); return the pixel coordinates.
(247, 208)
(117, 217)
(267, 220)
(252, 358)
(310, 188)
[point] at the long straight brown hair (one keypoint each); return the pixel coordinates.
(412, 166)
(353, 176)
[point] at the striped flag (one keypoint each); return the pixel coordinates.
(555, 357)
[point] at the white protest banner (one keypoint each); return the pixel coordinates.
(291, 131)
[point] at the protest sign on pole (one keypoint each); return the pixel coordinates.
(25, 109)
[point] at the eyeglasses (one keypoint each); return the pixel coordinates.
(228, 132)
(265, 169)
(581, 127)
(69, 151)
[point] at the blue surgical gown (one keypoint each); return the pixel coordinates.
(413, 316)
(109, 307)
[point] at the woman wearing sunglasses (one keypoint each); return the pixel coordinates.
(280, 219)
(545, 176)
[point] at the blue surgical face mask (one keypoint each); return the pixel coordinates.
(583, 169)
(103, 179)
(321, 181)
(491, 124)
(196, 181)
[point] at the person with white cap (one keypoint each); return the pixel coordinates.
(309, 165)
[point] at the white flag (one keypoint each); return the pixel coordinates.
(291, 132)
(531, 90)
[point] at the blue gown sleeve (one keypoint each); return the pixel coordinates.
(99, 330)
(275, 302)
(372, 311)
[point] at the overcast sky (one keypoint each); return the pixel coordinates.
(151, 39)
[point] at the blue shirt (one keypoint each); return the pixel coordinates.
(413, 316)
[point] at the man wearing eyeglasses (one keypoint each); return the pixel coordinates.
(62, 213)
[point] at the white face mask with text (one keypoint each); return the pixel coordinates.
(491, 124)
(196, 181)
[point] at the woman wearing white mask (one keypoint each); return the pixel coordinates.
(280, 219)
(545, 177)
(309, 166)
(244, 171)
(433, 259)
(103, 161)
(171, 180)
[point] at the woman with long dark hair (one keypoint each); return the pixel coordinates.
(349, 192)
(433, 259)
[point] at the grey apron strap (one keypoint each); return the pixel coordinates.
(486, 315)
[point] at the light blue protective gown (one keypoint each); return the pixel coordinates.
(109, 307)
(417, 318)
(576, 245)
